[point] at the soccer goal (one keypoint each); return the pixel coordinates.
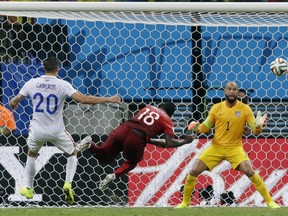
(148, 53)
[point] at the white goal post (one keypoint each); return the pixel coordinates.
(148, 53)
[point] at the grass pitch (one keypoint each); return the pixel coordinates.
(133, 211)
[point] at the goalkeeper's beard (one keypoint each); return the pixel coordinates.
(229, 100)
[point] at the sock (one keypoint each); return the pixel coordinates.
(94, 148)
(100, 153)
(125, 168)
(30, 171)
(188, 188)
(71, 168)
(261, 187)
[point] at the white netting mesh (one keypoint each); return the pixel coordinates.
(147, 58)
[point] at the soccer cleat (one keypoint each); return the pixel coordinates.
(84, 144)
(182, 206)
(273, 205)
(27, 192)
(69, 193)
(105, 182)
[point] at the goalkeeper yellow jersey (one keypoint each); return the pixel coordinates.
(229, 123)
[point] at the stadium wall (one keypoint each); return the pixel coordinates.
(50, 175)
(98, 68)
(162, 171)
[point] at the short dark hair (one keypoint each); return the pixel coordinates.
(168, 107)
(245, 99)
(242, 90)
(51, 64)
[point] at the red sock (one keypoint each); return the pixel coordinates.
(125, 168)
(98, 153)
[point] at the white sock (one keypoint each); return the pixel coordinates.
(30, 171)
(71, 168)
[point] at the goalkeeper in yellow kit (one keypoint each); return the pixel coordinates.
(229, 118)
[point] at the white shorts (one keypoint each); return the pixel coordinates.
(63, 141)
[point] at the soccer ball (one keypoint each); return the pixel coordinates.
(279, 67)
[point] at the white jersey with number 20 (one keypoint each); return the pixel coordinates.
(48, 94)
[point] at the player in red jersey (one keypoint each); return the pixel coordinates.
(132, 137)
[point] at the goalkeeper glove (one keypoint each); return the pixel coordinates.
(194, 126)
(260, 120)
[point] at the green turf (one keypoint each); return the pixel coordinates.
(197, 211)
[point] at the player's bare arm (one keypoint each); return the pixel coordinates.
(13, 103)
(88, 99)
(170, 142)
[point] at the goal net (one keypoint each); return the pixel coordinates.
(147, 53)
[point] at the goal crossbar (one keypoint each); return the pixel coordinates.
(172, 13)
(147, 6)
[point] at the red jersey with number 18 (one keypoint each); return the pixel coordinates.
(152, 121)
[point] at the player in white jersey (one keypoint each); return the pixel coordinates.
(48, 94)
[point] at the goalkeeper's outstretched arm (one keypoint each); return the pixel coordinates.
(201, 128)
(257, 124)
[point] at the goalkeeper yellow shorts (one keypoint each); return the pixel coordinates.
(213, 155)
